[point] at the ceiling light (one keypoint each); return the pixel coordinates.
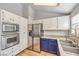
(47, 4)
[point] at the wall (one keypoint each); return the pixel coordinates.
(31, 14)
(74, 18)
(75, 10)
(12, 7)
(75, 24)
(25, 10)
(17, 8)
(45, 14)
(50, 33)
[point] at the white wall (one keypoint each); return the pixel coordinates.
(12, 7)
(16, 8)
(75, 10)
(30, 15)
(25, 9)
(50, 33)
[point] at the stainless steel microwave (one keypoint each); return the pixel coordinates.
(7, 27)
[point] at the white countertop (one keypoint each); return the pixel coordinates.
(55, 37)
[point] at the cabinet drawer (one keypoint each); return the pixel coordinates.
(16, 49)
(11, 51)
(52, 42)
(6, 52)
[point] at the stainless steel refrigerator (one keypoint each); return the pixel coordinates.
(35, 33)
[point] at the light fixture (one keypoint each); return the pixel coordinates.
(47, 4)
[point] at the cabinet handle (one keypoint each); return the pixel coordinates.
(2, 12)
(2, 18)
(12, 51)
(13, 19)
(10, 19)
(24, 32)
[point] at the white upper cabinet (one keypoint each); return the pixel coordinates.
(50, 24)
(60, 23)
(64, 23)
(9, 17)
(5, 16)
(75, 19)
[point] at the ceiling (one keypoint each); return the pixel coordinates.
(41, 12)
(62, 8)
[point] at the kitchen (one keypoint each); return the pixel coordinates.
(29, 29)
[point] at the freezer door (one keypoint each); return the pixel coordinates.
(37, 30)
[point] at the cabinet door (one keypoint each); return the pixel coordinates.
(75, 19)
(50, 24)
(64, 23)
(5, 16)
(23, 33)
(7, 52)
(44, 44)
(9, 17)
(52, 47)
(15, 19)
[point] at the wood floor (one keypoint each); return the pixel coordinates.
(27, 52)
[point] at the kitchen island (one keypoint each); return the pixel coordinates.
(62, 49)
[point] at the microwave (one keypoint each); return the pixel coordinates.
(8, 27)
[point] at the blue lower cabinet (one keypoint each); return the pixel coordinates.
(49, 45)
(52, 42)
(52, 46)
(52, 49)
(44, 44)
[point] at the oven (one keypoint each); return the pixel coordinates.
(9, 40)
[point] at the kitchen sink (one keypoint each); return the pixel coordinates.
(68, 46)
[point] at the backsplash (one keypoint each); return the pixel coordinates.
(55, 33)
